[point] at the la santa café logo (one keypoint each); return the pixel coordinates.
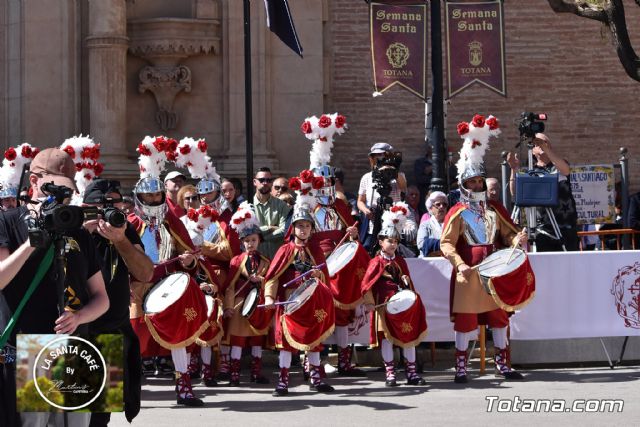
(76, 371)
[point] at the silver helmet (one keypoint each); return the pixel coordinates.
(467, 196)
(150, 212)
(327, 194)
(206, 186)
(8, 191)
(389, 230)
(302, 213)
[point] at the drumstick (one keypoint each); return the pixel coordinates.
(278, 303)
(317, 267)
(241, 288)
(343, 239)
(515, 245)
(197, 251)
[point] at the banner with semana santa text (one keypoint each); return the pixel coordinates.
(399, 47)
(475, 46)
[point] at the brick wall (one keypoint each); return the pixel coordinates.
(560, 64)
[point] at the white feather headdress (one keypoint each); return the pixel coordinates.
(192, 154)
(85, 154)
(154, 152)
(244, 221)
(476, 136)
(321, 131)
(12, 165)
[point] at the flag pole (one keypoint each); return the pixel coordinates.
(248, 111)
(438, 179)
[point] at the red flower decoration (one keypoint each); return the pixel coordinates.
(317, 183)
(160, 143)
(143, 150)
(192, 214)
(27, 152)
(202, 145)
(340, 121)
(79, 167)
(172, 144)
(395, 209)
(238, 221)
(88, 176)
(325, 121)
(98, 168)
(172, 156)
(306, 176)
(475, 143)
(478, 121)
(295, 184)
(34, 152)
(306, 127)
(463, 128)
(185, 149)
(247, 215)
(87, 153)
(493, 123)
(95, 155)
(70, 151)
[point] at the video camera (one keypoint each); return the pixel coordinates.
(530, 124)
(56, 219)
(386, 170)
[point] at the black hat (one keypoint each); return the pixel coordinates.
(99, 188)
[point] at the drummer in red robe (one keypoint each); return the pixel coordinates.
(473, 229)
(167, 243)
(246, 272)
(313, 319)
(387, 275)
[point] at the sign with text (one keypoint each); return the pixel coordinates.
(399, 47)
(593, 189)
(475, 46)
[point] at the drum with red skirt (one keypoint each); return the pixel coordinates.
(211, 336)
(175, 311)
(309, 316)
(507, 276)
(253, 310)
(404, 319)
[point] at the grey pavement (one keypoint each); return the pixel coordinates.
(367, 402)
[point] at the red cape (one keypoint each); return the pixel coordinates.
(376, 268)
(284, 257)
(497, 206)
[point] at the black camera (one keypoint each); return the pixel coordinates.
(57, 219)
(386, 170)
(530, 124)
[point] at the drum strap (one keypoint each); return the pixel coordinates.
(42, 269)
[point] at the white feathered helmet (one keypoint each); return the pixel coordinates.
(305, 186)
(192, 154)
(154, 152)
(85, 154)
(12, 165)
(394, 221)
(244, 221)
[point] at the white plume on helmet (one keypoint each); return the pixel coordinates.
(476, 136)
(321, 131)
(84, 152)
(192, 154)
(397, 217)
(14, 161)
(153, 155)
(244, 221)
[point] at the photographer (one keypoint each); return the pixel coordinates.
(85, 295)
(121, 251)
(368, 195)
(546, 160)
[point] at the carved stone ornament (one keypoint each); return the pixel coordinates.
(165, 82)
(164, 43)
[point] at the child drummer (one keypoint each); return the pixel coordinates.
(314, 320)
(386, 275)
(246, 272)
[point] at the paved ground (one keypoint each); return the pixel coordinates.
(367, 402)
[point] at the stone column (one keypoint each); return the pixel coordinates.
(107, 45)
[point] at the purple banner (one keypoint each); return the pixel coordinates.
(399, 47)
(475, 46)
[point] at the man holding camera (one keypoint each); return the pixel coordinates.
(85, 295)
(547, 161)
(368, 194)
(120, 249)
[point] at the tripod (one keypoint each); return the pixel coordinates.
(531, 211)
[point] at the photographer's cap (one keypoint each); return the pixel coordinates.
(99, 188)
(174, 174)
(55, 166)
(380, 147)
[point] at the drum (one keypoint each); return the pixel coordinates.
(214, 332)
(310, 318)
(401, 301)
(175, 311)
(259, 319)
(341, 257)
(508, 278)
(300, 296)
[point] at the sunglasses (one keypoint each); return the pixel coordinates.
(191, 198)
(264, 180)
(279, 187)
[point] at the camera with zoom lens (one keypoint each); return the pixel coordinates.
(57, 219)
(385, 171)
(530, 124)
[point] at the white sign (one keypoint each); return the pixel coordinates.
(593, 189)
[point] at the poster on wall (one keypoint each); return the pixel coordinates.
(399, 47)
(475, 46)
(593, 188)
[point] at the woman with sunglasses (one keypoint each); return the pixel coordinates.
(430, 228)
